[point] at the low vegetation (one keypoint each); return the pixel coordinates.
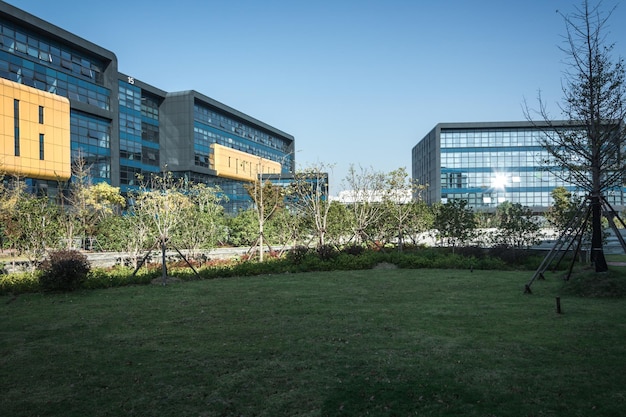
(67, 271)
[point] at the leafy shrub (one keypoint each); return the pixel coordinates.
(347, 262)
(327, 252)
(297, 254)
(471, 251)
(19, 282)
(64, 270)
(119, 276)
(353, 250)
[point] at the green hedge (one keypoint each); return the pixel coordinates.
(302, 260)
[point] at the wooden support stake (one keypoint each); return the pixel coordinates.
(558, 305)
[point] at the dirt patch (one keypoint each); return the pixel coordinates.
(385, 265)
(168, 280)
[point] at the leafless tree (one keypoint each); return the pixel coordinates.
(589, 152)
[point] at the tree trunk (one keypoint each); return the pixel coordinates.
(163, 260)
(597, 252)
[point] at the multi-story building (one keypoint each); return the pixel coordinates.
(118, 125)
(489, 163)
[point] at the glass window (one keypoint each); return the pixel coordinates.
(41, 146)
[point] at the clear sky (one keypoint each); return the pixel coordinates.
(355, 81)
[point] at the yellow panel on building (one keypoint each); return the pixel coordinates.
(34, 133)
(234, 164)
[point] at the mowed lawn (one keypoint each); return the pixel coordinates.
(363, 343)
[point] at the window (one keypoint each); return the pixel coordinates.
(41, 146)
(40, 115)
(16, 126)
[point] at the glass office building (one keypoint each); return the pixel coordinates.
(489, 163)
(123, 127)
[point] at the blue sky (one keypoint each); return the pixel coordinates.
(356, 82)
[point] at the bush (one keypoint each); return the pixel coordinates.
(353, 249)
(327, 252)
(19, 282)
(64, 270)
(297, 254)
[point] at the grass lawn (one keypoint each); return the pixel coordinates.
(365, 343)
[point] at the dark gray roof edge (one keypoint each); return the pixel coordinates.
(221, 106)
(22, 17)
(143, 85)
(511, 124)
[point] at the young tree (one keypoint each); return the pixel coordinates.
(366, 189)
(309, 196)
(518, 227)
(30, 222)
(455, 222)
(267, 199)
(398, 202)
(338, 223)
(84, 204)
(203, 219)
(286, 227)
(421, 219)
(563, 209)
(243, 228)
(589, 154)
(161, 202)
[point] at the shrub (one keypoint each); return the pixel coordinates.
(327, 252)
(19, 282)
(64, 270)
(297, 254)
(353, 250)
(471, 251)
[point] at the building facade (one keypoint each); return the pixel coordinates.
(489, 163)
(120, 126)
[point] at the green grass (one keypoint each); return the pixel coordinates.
(375, 342)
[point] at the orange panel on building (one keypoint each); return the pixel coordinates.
(238, 165)
(34, 133)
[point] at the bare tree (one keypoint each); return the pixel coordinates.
(588, 153)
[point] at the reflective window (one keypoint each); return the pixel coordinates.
(36, 75)
(91, 140)
(240, 135)
(51, 54)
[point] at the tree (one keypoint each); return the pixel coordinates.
(309, 196)
(161, 202)
(366, 188)
(286, 227)
(399, 205)
(589, 153)
(455, 222)
(243, 228)
(338, 223)
(517, 227)
(85, 205)
(203, 219)
(563, 209)
(31, 222)
(267, 199)
(420, 220)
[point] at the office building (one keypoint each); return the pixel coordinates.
(489, 163)
(120, 126)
